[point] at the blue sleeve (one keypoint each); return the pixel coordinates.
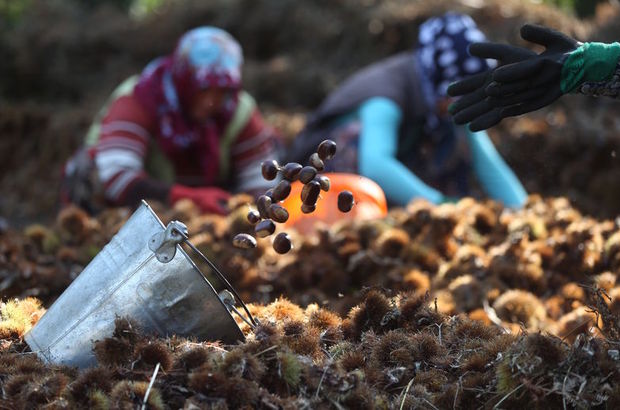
(496, 177)
(380, 118)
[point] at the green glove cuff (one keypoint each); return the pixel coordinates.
(592, 62)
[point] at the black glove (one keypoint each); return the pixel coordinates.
(522, 86)
(474, 102)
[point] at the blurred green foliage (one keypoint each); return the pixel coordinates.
(121, 4)
(141, 8)
(12, 10)
(582, 8)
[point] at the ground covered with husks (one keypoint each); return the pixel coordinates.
(462, 305)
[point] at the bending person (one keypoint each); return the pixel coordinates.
(391, 124)
(184, 128)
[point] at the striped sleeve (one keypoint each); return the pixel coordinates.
(256, 143)
(121, 148)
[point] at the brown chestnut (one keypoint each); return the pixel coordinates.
(265, 228)
(282, 243)
(307, 174)
(310, 192)
(253, 217)
(244, 241)
(263, 203)
(291, 171)
(326, 150)
(281, 191)
(278, 213)
(316, 162)
(345, 201)
(269, 169)
(323, 181)
(308, 209)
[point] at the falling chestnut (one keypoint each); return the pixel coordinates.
(323, 181)
(278, 213)
(281, 191)
(291, 171)
(310, 193)
(326, 150)
(269, 169)
(253, 217)
(316, 162)
(265, 228)
(263, 203)
(345, 201)
(308, 208)
(282, 243)
(307, 174)
(244, 241)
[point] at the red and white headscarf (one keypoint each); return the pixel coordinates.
(204, 57)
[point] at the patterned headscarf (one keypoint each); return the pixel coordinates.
(442, 51)
(206, 57)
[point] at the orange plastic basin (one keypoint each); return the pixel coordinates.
(370, 202)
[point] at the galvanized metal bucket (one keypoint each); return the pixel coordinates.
(142, 274)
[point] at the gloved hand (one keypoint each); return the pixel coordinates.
(528, 85)
(531, 84)
(474, 102)
(208, 199)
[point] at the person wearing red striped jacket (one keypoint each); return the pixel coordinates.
(183, 128)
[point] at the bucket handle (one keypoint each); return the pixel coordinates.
(164, 245)
(185, 239)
